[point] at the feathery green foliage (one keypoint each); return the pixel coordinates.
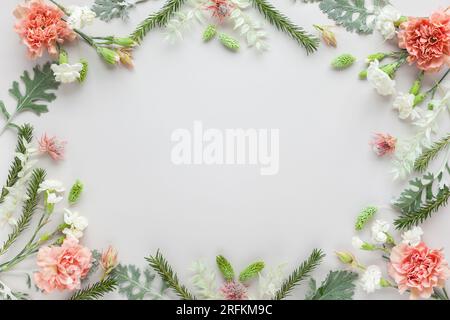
(338, 285)
(162, 267)
(416, 217)
(75, 192)
(158, 19)
(364, 216)
(134, 284)
(299, 274)
(282, 23)
(431, 153)
(251, 271)
(343, 61)
(225, 268)
(29, 208)
(25, 134)
(97, 290)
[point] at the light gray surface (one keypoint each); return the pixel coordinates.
(118, 125)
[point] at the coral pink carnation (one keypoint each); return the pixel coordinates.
(418, 269)
(234, 290)
(52, 146)
(40, 26)
(427, 40)
(62, 267)
(383, 144)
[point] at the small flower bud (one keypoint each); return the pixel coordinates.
(108, 55)
(328, 36)
(124, 42)
(376, 56)
(125, 57)
(430, 106)
(415, 89)
(345, 257)
(343, 61)
(75, 192)
(419, 98)
(44, 237)
(390, 69)
(209, 33)
(363, 75)
(109, 260)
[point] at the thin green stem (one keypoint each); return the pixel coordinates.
(433, 89)
(8, 122)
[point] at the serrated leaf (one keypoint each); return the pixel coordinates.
(37, 90)
(134, 284)
(4, 111)
(338, 285)
(419, 190)
(352, 14)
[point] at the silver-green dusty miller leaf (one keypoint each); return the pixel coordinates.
(136, 285)
(108, 10)
(36, 90)
(352, 14)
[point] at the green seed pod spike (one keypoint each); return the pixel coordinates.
(75, 192)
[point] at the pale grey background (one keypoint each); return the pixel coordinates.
(118, 126)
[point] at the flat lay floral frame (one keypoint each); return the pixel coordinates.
(64, 264)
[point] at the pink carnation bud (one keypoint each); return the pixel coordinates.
(383, 144)
(109, 259)
(52, 146)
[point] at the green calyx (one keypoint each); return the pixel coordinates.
(343, 61)
(84, 70)
(376, 56)
(209, 33)
(229, 42)
(63, 56)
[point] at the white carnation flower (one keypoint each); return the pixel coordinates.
(379, 229)
(53, 198)
(67, 73)
(51, 185)
(76, 224)
(380, 80)
(357, 243)
(79, 17)
(412, 237)
(404, 103)
(385, 21)
(370, 279)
